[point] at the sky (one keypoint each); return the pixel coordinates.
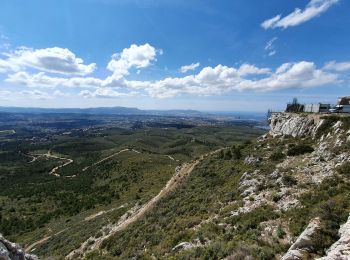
(209, 55)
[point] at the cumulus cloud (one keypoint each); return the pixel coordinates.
(138, 56)
(208, 81)
(187, 68)
(105, 93)
(35, 94)
(222, 79)
(337, 66)
(42, 80)
(313, 9)
(53, 60)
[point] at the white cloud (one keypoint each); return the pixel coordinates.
(271, 22)
(313, 9)
(270, 47)
(187, 68)
(248, 69)
(105, 93)
(53, 60)
(337, 66)
(42, 80)
(222, 79)
(35, 94)
(138, 56)
(59, 93)
(6, 66)
(5, 95)
(208, 81)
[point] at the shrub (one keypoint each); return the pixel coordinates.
(299, 149)
(344, 168)
(280, 232)
(276, 197)
(236, 152)
(276, 156)
(289, 180)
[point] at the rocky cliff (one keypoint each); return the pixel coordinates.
(294, 124)
(341, 249)
(330, 138)
(13, 251)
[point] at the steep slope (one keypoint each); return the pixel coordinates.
(285, 192)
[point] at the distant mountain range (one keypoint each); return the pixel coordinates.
(133, 111)
(104, 111)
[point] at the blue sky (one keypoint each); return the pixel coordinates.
(242, 55)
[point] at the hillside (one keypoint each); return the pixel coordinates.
(253, 201)
(283, 195)
(63, 178)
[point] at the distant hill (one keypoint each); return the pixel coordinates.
(104, 111)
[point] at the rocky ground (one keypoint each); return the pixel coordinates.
(12, 251)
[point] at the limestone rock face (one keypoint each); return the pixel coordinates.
(293, 124)
(301, 247)
(340, 250)
(12, 251)
(251, 160)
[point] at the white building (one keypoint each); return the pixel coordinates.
(317, 108)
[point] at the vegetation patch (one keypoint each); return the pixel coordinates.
(299, 149)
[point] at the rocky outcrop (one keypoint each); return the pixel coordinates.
(294, 124)
(340, 250)
(187, 245)
(12, 251)
(304, 243)
(252, 160)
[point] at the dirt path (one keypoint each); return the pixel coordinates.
(102, 212)
(94, 243)
(106, 158)
(32, 246)
(50, 155)
(54, 170)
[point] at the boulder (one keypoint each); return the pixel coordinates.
(12, 251)
(340, 250)
(304, 243)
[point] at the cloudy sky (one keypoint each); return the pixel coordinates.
(242, 55)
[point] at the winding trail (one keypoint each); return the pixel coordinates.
(94, 243)
(54, 170)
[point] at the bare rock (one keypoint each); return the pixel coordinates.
(251, 160)
(13, 251)
(340, 250)
(303, 244)
(183, 246)
(283, 124)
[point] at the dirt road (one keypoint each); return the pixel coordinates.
(54, 170)
(94, 243)
(105, 159)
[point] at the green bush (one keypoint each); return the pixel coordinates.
(299, 149)
(277, 156)
(289, 180)
(344, 169)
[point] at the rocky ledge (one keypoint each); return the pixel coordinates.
(294, 124)
(12, 251)
(340, 250)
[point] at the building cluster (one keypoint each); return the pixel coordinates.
(342, 106)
